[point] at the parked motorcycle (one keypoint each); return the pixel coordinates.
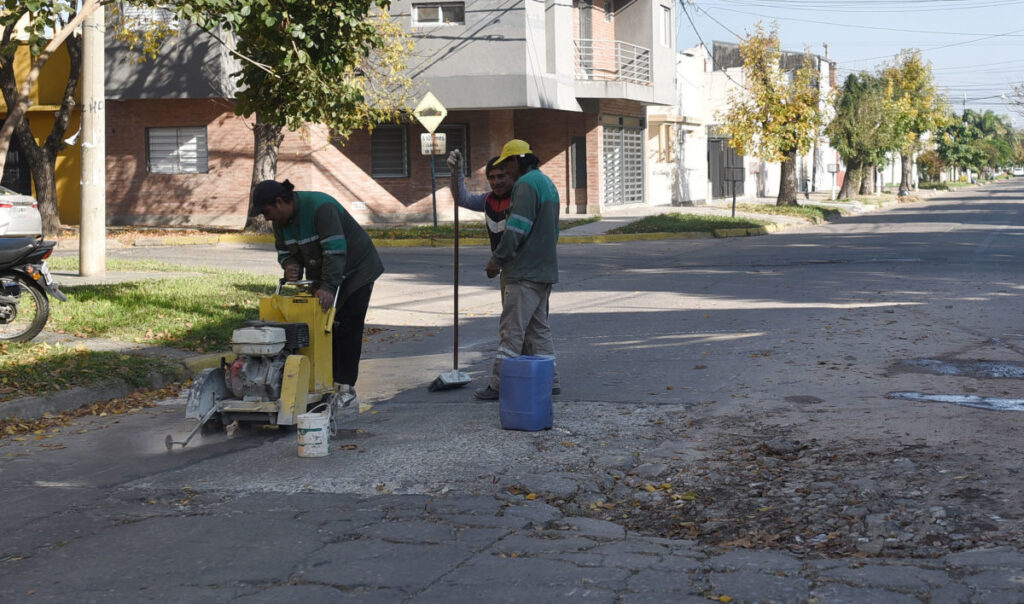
(25, 282)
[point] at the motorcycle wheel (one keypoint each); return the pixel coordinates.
(22, 318)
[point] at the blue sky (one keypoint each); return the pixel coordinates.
(976, 47)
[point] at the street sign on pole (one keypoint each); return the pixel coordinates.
(734, 174)
(430, 112)
(432, 144)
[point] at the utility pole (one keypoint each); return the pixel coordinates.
(92, 238)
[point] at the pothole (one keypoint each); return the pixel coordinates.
(967, 400)
(975, 369)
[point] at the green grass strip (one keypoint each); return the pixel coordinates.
(194, 313)
(809, 212)
(33, 369)
(685, 223)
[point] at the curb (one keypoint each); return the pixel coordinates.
(620, 237)
(33, 407)
(403, 243)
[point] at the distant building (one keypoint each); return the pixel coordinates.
(690, 160)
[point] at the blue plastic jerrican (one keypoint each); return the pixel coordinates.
(524, 398)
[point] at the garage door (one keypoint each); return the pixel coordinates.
(623, 157)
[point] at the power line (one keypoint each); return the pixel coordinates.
(849, 25)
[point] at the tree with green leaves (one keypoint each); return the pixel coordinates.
(957, 143)
(338, 63)
(919, 107)
(777, 113)
(862, 128)
(983, 142)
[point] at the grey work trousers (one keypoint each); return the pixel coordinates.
(523, 328)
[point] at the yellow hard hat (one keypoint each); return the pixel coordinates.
(513, 147)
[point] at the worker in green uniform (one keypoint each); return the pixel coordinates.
(527, 257)
(314, 234)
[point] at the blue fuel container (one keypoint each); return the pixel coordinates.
(524, 398)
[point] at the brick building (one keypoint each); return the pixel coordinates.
(572, 79)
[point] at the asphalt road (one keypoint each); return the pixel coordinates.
(806, 333)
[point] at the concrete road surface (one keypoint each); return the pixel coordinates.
(807, 416)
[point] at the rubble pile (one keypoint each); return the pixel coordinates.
(758, 486)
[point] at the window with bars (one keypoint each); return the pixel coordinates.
(389, 151)
(180, 150)
(439, 13)
(455, 138)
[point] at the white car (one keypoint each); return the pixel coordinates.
(1018, 171)
(19, 215)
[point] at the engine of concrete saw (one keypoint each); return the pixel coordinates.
(281, 369)
(261, 349)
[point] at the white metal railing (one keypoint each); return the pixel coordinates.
(612, 60)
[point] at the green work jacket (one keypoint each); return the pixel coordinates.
(527, 248)
(328, 243)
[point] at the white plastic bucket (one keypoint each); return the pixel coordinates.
(314, 435)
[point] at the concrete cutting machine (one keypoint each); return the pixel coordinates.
(282, 367)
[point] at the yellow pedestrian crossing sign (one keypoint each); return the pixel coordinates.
(430, 112)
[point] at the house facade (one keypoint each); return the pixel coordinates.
(696, 162)
(572, 79)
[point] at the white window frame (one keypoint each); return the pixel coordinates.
(417, 21)
(177, 150)
(376, 140)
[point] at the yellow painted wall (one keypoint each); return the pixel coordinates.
(46, 97)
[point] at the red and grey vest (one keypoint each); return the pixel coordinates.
(496, 210)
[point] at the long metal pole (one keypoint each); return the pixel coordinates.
(92, 235)
(455, 354)
(734, 199)
(433, 187)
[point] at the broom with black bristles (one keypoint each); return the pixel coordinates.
(450, 380)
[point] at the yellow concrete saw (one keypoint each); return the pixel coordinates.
(281, 367)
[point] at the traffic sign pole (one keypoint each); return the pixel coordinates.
(430, 112)
(433, 189)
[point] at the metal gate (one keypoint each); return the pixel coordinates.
(720, 157)
(623, 161)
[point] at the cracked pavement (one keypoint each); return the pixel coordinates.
(724, 413)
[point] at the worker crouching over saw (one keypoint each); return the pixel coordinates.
(315, 234)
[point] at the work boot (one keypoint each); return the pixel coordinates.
(486, 394)
(345, 395)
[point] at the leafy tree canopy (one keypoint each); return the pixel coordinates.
(776, 112)
(918, 105)
(336, 63)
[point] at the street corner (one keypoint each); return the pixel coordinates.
(766, 229)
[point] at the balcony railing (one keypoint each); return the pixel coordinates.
(612, 60)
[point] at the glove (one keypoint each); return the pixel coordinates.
(455, 161)
(292, 272)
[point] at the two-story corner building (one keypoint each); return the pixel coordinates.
(572, 79)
